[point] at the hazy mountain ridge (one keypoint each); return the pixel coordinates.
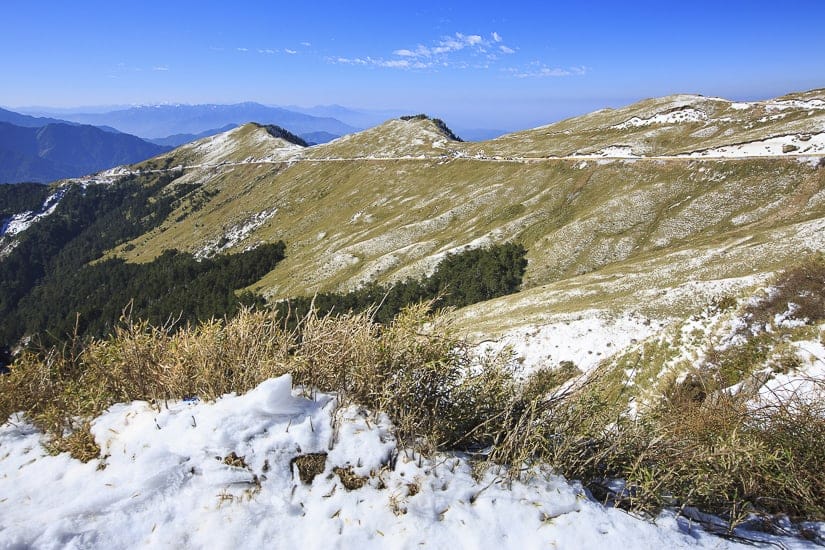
(159, 121)
(58, 150)
(27, 121)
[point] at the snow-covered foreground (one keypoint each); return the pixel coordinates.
(222, 475)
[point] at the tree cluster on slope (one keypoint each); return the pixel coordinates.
(459, 280)
(21, 197)
(175, 286)
(87, 222)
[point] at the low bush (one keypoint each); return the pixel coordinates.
(718, 452)
(798, 292)
(429, 384)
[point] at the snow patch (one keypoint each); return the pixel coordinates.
(806, 383)
(811, 104)
(20, 222)
(585, 339)
(680, 116)
(222, 475)
(235, 235)
(788, 145)
(612, 151)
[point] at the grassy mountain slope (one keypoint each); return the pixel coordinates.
(389, 202)
(614, 211)
(669, 125)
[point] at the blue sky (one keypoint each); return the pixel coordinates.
(476, 64)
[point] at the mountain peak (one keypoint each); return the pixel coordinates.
(282, 133)
(437, 122)
(409, 136)
(251, 142)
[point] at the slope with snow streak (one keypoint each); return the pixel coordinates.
(794, 144)
(20, 222)
(170, 479)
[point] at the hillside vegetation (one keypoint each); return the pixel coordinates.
(632, 298)
(389, 203)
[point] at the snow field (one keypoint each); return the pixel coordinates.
(585, 339)
(794, 144)
(221, 475)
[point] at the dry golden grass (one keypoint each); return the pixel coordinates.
(721, 452)
(696, 445)
(413, 370)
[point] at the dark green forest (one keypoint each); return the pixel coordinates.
(459, 280)
(54, 283)
(47, 278)
(174, 287)
(21, 197)
(87, 222)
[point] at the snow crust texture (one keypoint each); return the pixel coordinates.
(224, 475)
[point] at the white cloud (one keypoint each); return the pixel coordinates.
(242, 49)
(267, 51)
(539, 70)
(349, 61)
(387, 63)
(306, 44)
(460, 51)
(446, 45)
(394, 63)
(160, 68)
(290, 52)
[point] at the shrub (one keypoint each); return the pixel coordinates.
(803, 286)
(437, 395)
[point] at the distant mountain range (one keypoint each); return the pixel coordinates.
(59, 150)
(178, 124)
(162, 121)
(45, 148)
(27, 121)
